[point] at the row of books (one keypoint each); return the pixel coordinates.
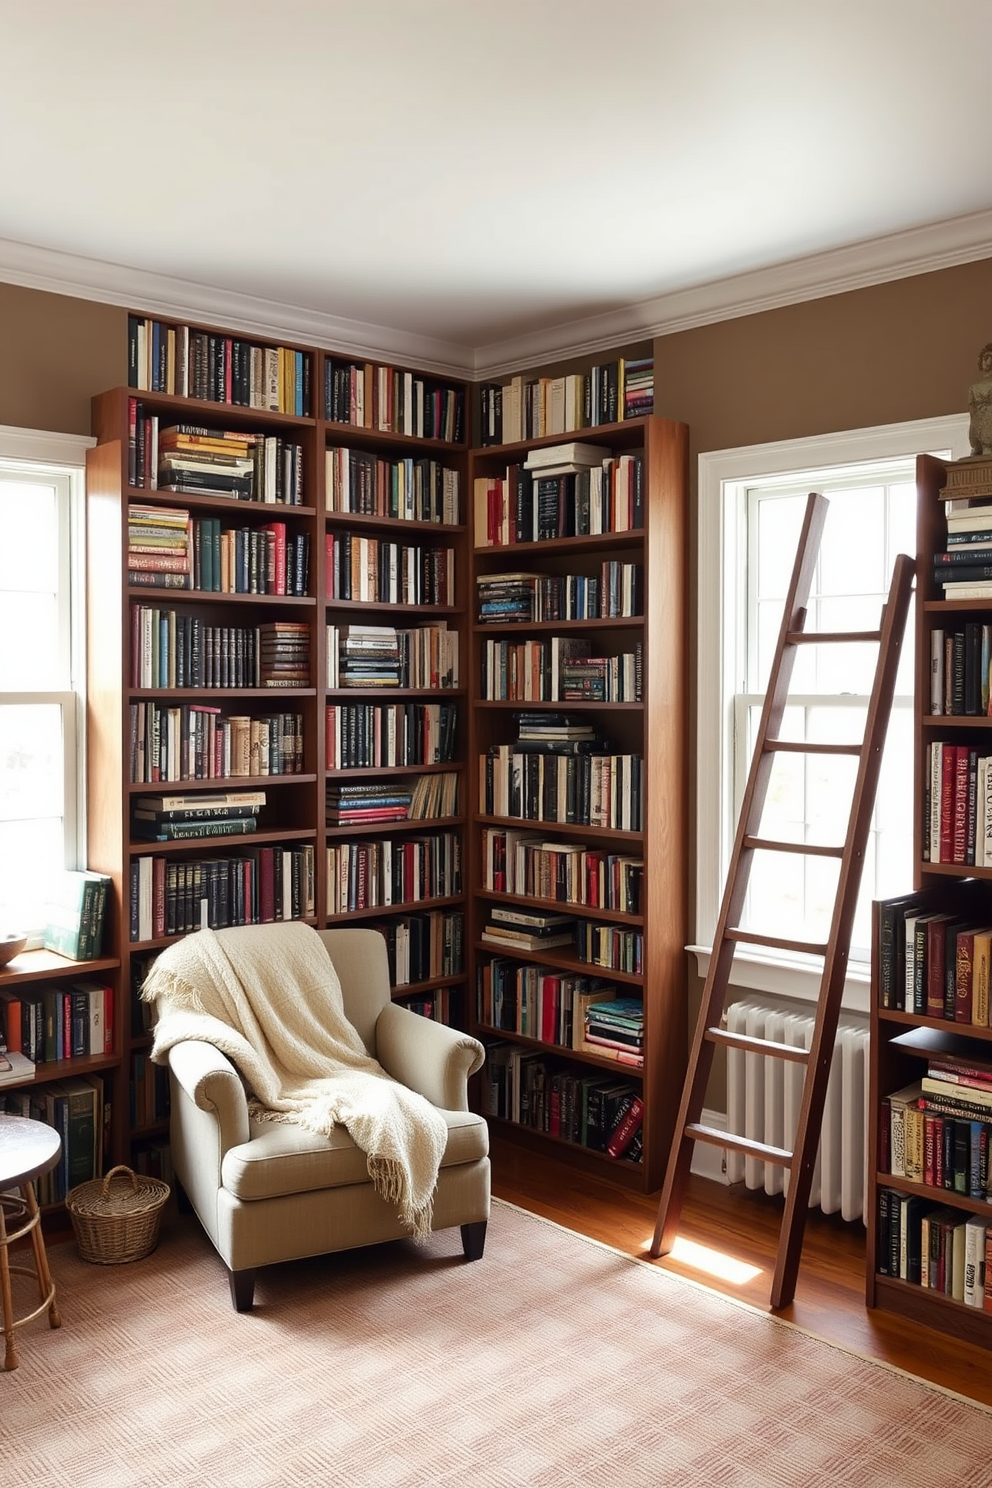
(412, 490)
(585, 493)
(51, 1023)
(171, 897)
(441, 1005)
(421, 946)
(531, 407)
(924, 1140)
(387, 735)
(957, 805)
(559, 670)
(370, 395)
(429, 798)
(215, 559)
(387, 872)
(177, 818)
(960, 663)
(614, 946)
(171, 649)
(535, 1090)
(375, 569)
(935, 1247)
(537, 1001)
(613, 594)
(425, 656)
(591, 790)
(77, 1109)
(148, 1091)
(76, 912)
(516, 862)
(212, 462)
(935, 962)
(194, 741)
(187, 363)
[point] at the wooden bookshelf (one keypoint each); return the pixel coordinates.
(650, 727)
(386, 405)
(902, 1041)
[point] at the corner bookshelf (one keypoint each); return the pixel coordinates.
(294, 405)
(633, 938)
(904, 1038)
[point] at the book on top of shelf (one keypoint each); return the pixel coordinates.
(15, 1066)
(76, 910)
(575, 454)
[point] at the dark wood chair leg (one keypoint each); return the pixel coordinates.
(242, 1289)
(474, 1240)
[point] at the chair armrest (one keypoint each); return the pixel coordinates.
(427, 1057)
(213, 1085)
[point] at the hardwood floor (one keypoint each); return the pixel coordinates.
(744, 1226)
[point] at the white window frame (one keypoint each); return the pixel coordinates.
(723, 479)
(61, 458)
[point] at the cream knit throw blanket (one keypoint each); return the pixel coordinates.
(269, 998)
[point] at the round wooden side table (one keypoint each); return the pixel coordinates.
(27, 1149)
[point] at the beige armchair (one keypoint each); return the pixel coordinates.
(267, 1192)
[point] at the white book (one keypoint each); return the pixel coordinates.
(974, 1262)
(957, 1260)
(936, 672)
(557, 454)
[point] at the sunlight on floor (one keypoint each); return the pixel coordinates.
(713, 1262)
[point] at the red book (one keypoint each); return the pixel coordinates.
(964, 961)
(936, 942)
(623, 1132)
(962, 793)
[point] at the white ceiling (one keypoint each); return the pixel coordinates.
(480, 182)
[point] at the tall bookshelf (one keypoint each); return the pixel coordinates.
(311, 403)
(539, 1063)
(904, 1037)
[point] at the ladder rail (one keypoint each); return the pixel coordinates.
(735, 889)
(834, 952)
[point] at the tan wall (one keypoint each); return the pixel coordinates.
(55, 353)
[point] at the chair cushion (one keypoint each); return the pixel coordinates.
(281, 1158)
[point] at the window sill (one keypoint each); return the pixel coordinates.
(791, 980)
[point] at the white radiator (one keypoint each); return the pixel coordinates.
(763, 1096)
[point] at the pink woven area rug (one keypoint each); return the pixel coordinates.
(553, 1361)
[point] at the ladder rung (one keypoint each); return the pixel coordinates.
(800, 746)
(747, 937)
(750, 1148)
(804, 849)
(830, 637)
(753, 1045)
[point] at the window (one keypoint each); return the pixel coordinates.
(41, 670)
(751, 503)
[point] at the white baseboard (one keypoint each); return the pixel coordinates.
(709, 1161)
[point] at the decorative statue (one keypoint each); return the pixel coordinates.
(980, 405)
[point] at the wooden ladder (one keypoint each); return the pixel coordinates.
(709, 1034)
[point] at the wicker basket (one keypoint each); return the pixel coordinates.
(117, 1221)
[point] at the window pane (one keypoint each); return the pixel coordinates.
(852, 551)
(31, 770)
(30, 853)
(29, 586)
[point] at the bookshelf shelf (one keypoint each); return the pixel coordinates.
(937, 1141)
(651, 732)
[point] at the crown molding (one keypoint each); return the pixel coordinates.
(55, 272)
(920, 250)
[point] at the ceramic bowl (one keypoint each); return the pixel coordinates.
(11, 946)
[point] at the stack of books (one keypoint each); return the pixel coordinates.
(159, 547)
(206, 462)
(528, 930)
(506, 598)
(76, 909)
(638, 387)
(615, 1030)
(284, 654)
(364, 656)
(964, 569)
(367, 801)
(174, 818)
